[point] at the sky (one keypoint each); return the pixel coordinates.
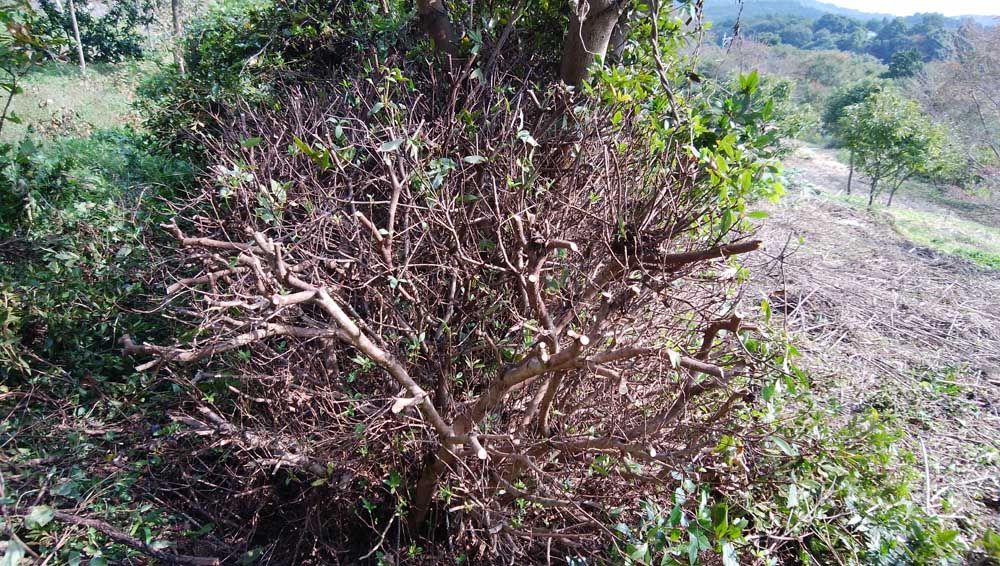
(907, 7)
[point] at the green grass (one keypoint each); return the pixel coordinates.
(947, 233)
(58, 101)
(944, 225)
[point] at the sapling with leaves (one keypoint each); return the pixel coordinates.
(20, 50)
(833, 115)
(892, 141)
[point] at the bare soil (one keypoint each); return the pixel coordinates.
(883, 323)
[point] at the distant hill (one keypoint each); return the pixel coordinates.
(722, 10)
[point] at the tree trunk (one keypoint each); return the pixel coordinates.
(175, 8)
(892, 193)
(590, 28)
(850, 173)
(435, 22)
(619, 35)
(871, 192)
(76, 36)
(895, 188)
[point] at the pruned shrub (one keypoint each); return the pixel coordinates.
(463, 303)
(442, 306)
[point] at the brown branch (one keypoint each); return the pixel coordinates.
(673, 261)
(131, 542)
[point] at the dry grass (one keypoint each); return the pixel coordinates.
(888, 324)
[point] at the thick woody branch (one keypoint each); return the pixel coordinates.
(435, 22)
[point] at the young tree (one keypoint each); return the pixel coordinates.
(834, 112)
(22, 47)
(76, 37)
(892, 141)
(176, 12)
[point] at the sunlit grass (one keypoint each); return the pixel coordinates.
(938, 226)
(950, 234)
(57, 100)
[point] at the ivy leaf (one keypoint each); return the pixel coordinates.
(39, 516)
(785, 447)
(391, 146)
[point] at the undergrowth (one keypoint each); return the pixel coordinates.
(79, 427)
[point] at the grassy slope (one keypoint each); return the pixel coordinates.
(894, 310)
(56, 100)
(966, 227)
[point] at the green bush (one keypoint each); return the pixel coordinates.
(243, 50)
(72, 218)
(110, 38)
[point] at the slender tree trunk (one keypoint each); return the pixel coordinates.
(871, 192)
(619, 35)
(590, 28)
(175, 8)
(436, 23)
(850, 173)
(76, 36)
(895, 188)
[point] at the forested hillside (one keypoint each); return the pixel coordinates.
(415, 282)
(901, 42)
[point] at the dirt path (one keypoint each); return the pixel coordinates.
(887, 324)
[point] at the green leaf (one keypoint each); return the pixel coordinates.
(675, 357)
(527, 138)
(303, 147)
(15, 552)
(640, 552)
(39, 517)
(785, 447)
(793, 496)
(391, 145)
(251, 142)
(692, 548)
(675, 516)
(758, 214)
(729, 557)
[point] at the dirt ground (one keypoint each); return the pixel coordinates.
(891, 325)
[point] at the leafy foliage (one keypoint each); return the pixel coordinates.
(112, 37)
(928, 37)
(21, 47)
(904, 64)
(240, 51)
(78, 421)
(893, 141)
(846, 492)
